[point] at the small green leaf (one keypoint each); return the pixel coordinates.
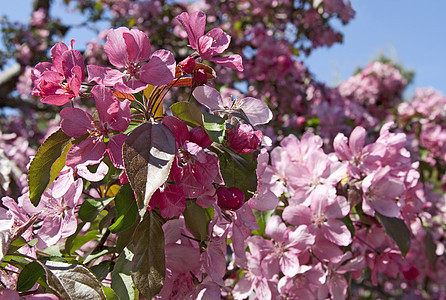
(91, 208)
(148, 264)
(188, 112)
(262, 218)
(29, 276)
(127, 210)
(397, 231)
(101, 270)
(110, 293)
(215, 127)
(197, 219)
(41, 169)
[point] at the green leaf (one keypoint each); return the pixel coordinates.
(80, 240)
(41, 170)
(110, 293)
(125, 236)
(127, 210)
(29, 276)
(398, 232)
(69, 242)
(262, 218)
(122, 282)
(197, 219)
(148, 264)
(215, 127)
(91, 208)
(72, 281)
(148, 154)
(238, 170)
(188, 112)
(101, 270)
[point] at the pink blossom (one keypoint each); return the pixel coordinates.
(210, 45)
(114, 115)
(129, 49)
(322, 216)
(60, 81)
(360, 159)
(56, 209)
(319, 169)
(380, 192)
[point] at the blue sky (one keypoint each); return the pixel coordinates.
(410, 32)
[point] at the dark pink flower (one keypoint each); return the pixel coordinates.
(210, 45)
(129, 49)
(114, 115)
(244, 139)
(60, 81)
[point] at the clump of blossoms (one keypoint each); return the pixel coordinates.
(129, 200)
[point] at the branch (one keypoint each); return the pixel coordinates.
(16, 102)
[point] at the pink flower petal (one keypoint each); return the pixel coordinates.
(104, 76)
(114, 149)
(160, 69)
(194, 24)
(89, 151)
(208, 97)
(221, 41)
(115, 47)
(357, 140)
(256, 110)
(138, 45)
(75, 122)
(233, 61)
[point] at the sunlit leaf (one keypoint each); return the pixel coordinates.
(148, 264)
(148, 154)
(126, 208)
(122, 282)
(40, 169)
(215, 127)
(91, 208)
(398, 232)
(188, 112)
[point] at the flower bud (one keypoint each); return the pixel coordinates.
(230, 198)
(200, 137)
(244, 139)
(187, 65)
(199, 77)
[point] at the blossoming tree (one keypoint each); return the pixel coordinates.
(156, 178)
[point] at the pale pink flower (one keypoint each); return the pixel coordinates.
(380, 193)
(322, 216)
(360, 159)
